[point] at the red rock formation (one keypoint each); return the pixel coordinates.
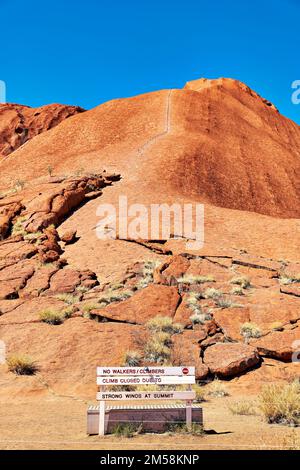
(18, 124)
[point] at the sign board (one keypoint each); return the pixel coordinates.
(143, 371)
(161, 395)
(146, 380)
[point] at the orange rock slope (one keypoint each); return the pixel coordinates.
(214, 142)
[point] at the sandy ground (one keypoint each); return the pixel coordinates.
(60, 423)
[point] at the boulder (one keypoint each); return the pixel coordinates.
(186, 351)
(230, 359)
(150, 302)
(279, 345)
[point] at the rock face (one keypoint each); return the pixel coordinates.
(18, 124)
(229, 359)
(215, 121)
(213, 142)
(150, 302)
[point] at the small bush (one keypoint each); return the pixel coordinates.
(250, 330)
(50, 170)
(246, 408)
(18, 227)
(156, 351)
(55, 317)
(195, 279)
(111, 296)
(21, 365)
(69, 299)
(160, 323)
(286, 278)
(237, 291)
(181, 428)
(217, 389)
(212, 294)
(87, 308)
(127, 430)
(281, 403)
(242, 281)
(224, 302)
(132, 358)
(200, 318)
(200, 394)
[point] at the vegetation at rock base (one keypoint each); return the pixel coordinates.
(21, 364)
(217, 389)
(237, 291)
(132, 358)
(55, 317)
(281, 403)
(195, 279)
(127, 430)
(245, 407)
(250, 330)
(242, 281)
(165, 324)
(181, 428)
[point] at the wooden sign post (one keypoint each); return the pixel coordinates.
(107, 376)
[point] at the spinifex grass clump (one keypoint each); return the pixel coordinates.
(132, 359)
(245, 408)
(165, 324)
(281, 403)
(20, 364)
(55, 317)
(242, 281)
(250, 330)
(195, 279)
(147, 273)
(217, 389)
(158, 346)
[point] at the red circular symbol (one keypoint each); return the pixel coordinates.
(185, 370)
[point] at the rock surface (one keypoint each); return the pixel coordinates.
(229, 359)
(19, 124)
(188, 146)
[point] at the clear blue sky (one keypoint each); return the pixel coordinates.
(87, 52)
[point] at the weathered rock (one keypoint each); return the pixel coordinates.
(230, 359)
(150, 302)
(279, 345)
(69, 237)
(21, 123)
(176, 267)
(14, 278)
(186, 351)
(65, 281)
(230, 321)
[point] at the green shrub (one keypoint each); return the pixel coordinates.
(127, 430)
(242, 281)
(181, 428)
(237, 291)
(55, 317)
(250, 330)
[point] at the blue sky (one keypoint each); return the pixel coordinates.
(88, 52)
